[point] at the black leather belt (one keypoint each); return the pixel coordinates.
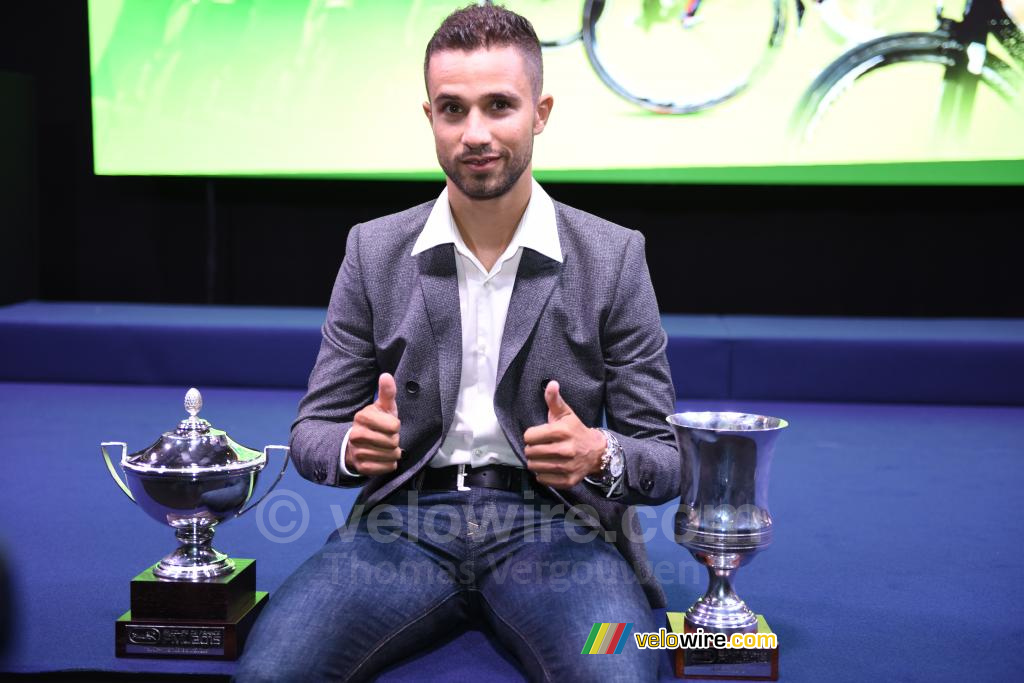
(464, 478)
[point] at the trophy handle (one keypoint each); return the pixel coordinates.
(110, 465)
(280, 474)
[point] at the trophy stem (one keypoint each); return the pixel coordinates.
(720, 609)
(195, 559)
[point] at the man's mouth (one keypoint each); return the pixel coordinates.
(481, 162)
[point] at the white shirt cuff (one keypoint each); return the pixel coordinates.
(341, 460)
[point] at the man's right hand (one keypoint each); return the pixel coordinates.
(373, 439)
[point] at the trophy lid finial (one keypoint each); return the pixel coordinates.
(192, 425)
(193, 402)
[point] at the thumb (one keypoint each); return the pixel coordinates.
(386, 394)
(557, 407)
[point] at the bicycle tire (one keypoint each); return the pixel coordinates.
(934, 47)
(684, 103)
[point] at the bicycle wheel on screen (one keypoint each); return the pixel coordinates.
(681, 57)
(911, 96)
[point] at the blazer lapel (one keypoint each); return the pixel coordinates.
(535, 280)
(440, 286)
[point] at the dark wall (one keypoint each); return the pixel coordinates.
(19, 255)
(711, 249)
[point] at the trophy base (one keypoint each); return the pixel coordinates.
(755, 665)
(220, 598)
(207, 619)
(186, 638)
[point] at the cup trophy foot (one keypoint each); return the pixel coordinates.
(194, 564)
(720, 610)
(713, 619)
(195, 559)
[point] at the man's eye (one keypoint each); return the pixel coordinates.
(451, 108)
(501, 104)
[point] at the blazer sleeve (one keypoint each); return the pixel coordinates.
(638, 385)
(343, 379)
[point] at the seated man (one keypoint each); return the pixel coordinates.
(498, 328)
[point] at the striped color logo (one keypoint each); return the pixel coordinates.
(607, 639)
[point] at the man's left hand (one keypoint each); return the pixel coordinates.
(564, 450)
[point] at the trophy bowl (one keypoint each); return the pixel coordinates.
(191, 479)
(723, 517)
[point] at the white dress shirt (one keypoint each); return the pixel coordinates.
(475, 437)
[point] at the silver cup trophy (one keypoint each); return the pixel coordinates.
(723, 517)
(192, 479)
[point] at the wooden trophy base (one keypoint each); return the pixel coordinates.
(737, 664)
(190, 619)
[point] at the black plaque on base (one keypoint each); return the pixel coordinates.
(190, 619)
(737, 664)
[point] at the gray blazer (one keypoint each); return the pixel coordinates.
(590, 322)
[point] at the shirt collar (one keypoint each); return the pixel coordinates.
(538, 228)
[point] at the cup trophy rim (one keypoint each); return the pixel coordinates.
(194, 471)
(726, 422)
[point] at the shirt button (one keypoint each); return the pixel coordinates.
(478, 452)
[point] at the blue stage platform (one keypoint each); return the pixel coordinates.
(895, 490)
(958, 361)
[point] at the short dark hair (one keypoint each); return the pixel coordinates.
(484, 26)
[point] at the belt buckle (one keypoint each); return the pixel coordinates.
(460, 479)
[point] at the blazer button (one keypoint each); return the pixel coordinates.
(320, 472)
(412, 388)
(544, 384)
(646, 484)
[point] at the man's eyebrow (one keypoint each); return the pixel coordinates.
(447, 97)
(444, 97)
(501, 95)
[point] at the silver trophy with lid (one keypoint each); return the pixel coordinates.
(192, 479)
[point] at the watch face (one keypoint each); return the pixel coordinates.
(615, 466)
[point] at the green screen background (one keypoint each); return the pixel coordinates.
(333, 88)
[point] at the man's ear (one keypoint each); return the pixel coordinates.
(541, 112)
(430, 114)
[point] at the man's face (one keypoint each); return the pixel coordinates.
(484, 117)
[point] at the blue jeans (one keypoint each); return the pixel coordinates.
(422, 565)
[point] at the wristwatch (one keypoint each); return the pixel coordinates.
(612, 465)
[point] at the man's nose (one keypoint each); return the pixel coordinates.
(476, 134)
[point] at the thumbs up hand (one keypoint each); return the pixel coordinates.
(386, 393)
(373, 440)
(564, 450)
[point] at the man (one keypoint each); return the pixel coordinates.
(497, 327)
